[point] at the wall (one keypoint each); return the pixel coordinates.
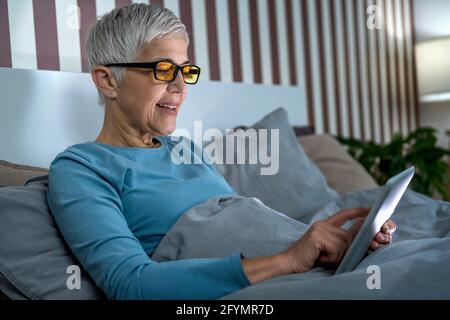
(42, 114)
(432, 20)
(353, 81)
(437, 115)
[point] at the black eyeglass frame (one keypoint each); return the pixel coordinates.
(152, 65)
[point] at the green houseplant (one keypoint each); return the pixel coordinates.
(418, 148)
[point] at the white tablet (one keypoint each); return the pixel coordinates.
(380, 212)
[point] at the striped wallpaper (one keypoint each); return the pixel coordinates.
(357, 81)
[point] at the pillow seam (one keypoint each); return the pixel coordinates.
(17, 284)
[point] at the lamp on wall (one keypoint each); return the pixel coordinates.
(433, 69)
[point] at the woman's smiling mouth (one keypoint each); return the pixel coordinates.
(169, 108)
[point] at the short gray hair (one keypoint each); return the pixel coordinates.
(120, 35)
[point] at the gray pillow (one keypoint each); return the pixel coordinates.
(298, 188)
(33, 255)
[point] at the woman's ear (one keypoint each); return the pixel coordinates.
(105, 81)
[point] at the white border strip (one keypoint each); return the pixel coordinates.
(352, 72)
(21, 28)
(104, 6)
(245, 42)
(174, 6)
(392, 72)
(283, 48)
(328, 47)
(401, 61)
(409, 52)
(224, 40)
(264, 36)
(68, 35)
(374, 81)
(201, 38)
(299, 52)
(384, 89)
(361, 9)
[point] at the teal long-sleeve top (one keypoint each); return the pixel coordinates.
(114, 204)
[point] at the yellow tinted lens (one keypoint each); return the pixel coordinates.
(191, 74)
(165, 71)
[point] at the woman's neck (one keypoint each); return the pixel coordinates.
(117, 132)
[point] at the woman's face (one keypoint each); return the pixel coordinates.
(140, 95)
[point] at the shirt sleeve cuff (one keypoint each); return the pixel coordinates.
(238, 269)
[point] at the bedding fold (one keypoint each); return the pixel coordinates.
(415, 266)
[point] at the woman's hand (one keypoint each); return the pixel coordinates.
(384, 236)
(325, 242)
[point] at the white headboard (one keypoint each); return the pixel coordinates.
(43, 112)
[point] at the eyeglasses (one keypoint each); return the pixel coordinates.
(165, 70)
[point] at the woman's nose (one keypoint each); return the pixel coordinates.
(178, 84)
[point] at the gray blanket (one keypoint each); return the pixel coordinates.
(415, 266)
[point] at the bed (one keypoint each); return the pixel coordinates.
(316, 178)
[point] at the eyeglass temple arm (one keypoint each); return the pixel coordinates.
(146, 65)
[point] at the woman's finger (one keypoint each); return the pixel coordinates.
(383, 238)
(342, 234)
(338, 219)
(374, 246)
(389, 227)
(335, 247)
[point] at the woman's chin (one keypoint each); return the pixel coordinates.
(167, 130)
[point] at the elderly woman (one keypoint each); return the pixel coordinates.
(116, 197)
